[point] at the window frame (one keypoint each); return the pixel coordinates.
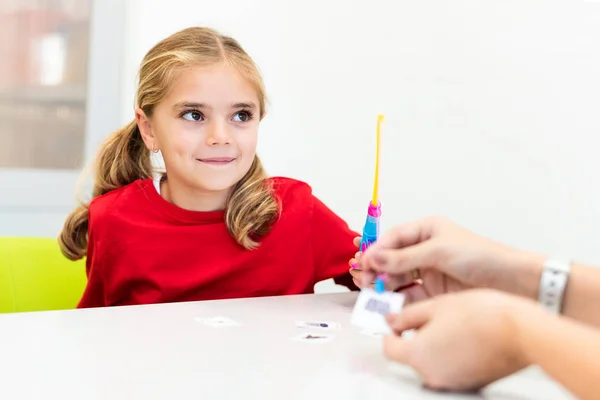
(49, 190)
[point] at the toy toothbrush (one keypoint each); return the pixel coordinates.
(371, 229)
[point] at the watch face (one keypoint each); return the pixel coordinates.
(553, 283)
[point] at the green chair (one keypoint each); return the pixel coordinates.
(35, 276)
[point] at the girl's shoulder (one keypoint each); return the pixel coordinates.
(285, 187)
(119, 202)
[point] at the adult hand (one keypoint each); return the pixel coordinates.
(357, 273)
(448, 259)
(463, 341)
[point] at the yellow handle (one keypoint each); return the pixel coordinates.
(375, 201)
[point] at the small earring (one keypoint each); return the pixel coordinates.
(154, 151)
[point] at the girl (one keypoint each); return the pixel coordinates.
(213, 226)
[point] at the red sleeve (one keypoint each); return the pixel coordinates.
(332, 246)
(93, 296)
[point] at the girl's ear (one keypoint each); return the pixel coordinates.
(145, 127)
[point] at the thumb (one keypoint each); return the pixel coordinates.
(413, 316)
(397, 348)
(398, 261)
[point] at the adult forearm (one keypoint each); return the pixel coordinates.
(581, 299)
(567, 350)
(582, 295)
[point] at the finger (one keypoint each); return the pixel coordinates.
(358, 256)
(397, 349)
(354, 264)
(359, 283)
(395, 282)
(415, 294)
(399, 261)
(366, 277)
(413, 316)
(408, 234)
(356, 241)
(400, 282)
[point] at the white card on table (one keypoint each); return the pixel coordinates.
(216, 322)
(371, 307)
(318, 324)
(315, 338)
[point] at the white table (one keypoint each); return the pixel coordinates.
(162, 352)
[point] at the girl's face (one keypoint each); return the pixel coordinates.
(206, 128)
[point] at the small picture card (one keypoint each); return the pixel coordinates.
(314, 338)
(318, 324)
(371, 307)
(218, 322)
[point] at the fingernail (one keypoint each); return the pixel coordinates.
(354, 266)
(383, 277)
(364, 247)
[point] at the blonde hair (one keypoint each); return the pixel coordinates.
(124, 158)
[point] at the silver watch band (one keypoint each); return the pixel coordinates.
(553, 283)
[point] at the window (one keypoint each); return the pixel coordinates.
(61, 64)
(43, 83)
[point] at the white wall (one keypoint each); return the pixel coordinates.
(492, 107)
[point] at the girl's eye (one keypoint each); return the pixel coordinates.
(242, 116)
(193, 116)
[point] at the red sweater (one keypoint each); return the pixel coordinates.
(143, 249)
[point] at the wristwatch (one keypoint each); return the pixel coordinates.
(553, 284)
